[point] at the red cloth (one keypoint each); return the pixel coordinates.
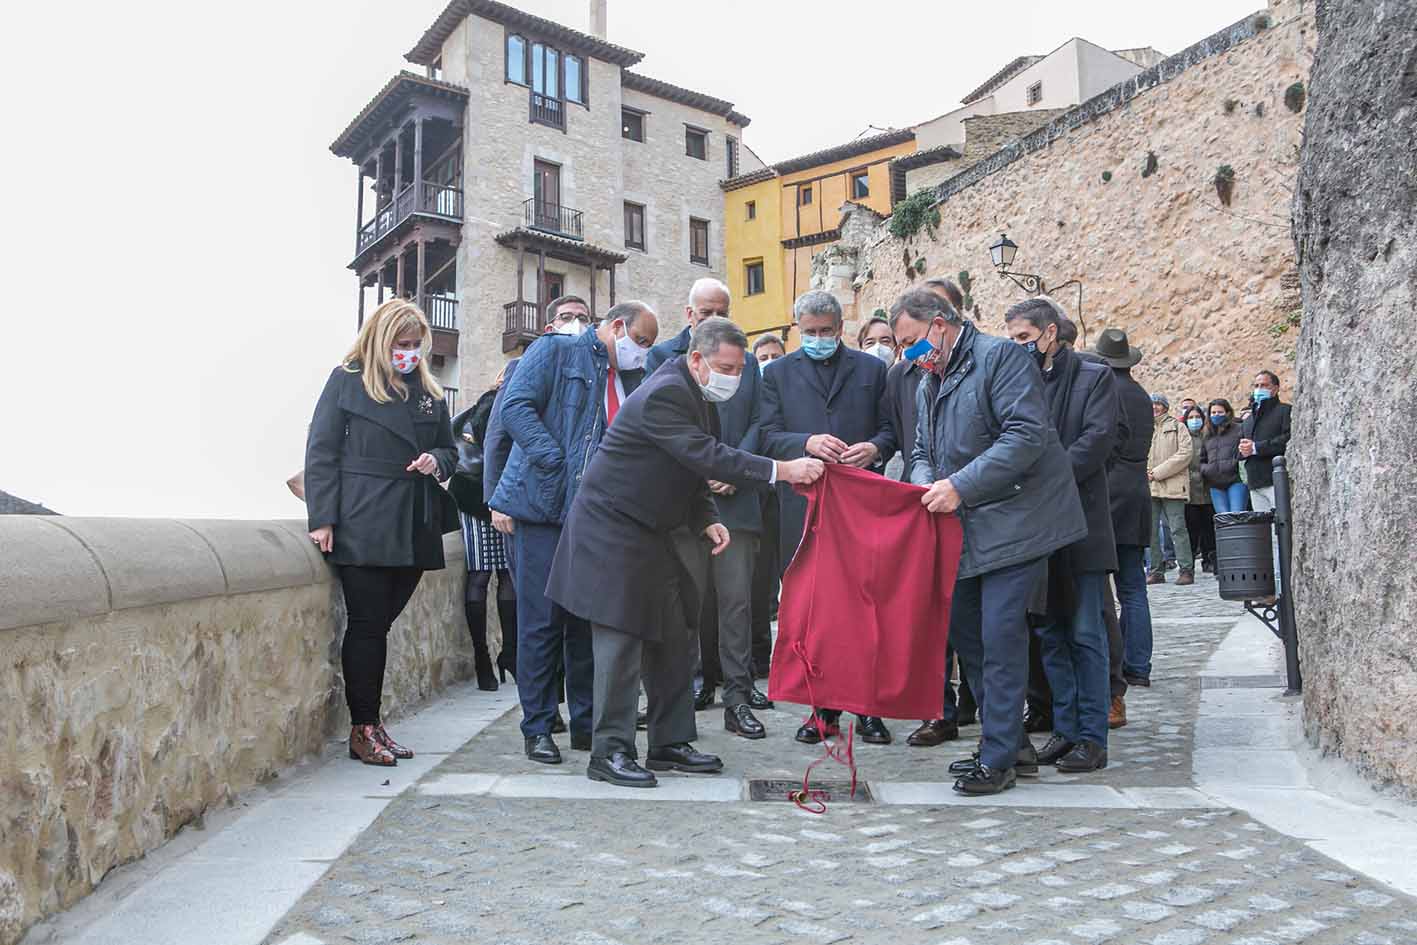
(866, 600)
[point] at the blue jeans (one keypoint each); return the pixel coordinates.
(1233, 498)
(1136, 612)
(1075, 659)
(547, 635)
(989, 633)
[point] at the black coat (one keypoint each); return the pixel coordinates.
(740, 427)
(466, 483)
(1127, 485)
(796, 405)
(1220, 456)
(902, 382)
(649, 477)
(1088, 431)
(1268, 426)
(356, 478)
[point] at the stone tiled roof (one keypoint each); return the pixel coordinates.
(674, 93)
(553, 243)
(389, 100)
(14, 505)
(843, 151)
(430, 45)
(1000, 77)
(935, 155)
(752, 177)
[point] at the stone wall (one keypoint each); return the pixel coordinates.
(152, 669)
(1199, 286)
(1355, 226)
(985, 134)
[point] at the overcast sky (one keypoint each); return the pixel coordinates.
(176, 230)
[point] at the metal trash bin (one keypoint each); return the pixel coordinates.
(1244, 561)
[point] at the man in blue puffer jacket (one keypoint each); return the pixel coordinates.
(556, 407)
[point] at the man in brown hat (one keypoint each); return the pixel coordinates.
(1131, 519)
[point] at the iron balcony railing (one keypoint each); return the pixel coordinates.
(450, 394)
(438, 199)
(553, 218)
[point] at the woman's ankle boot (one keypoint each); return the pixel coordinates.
(507, 659)
(481, 656)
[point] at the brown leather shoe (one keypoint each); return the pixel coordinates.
(1117, 717)
(395, 749)
(932, 733)
(1187, 577)
(1156, 577)
(364, 746)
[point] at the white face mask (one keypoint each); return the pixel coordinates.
(630, 356)
(720, 387)
(883, 351)
(575, 328)
(405, 361)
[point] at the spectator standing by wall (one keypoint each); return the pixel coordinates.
(1220, 459)
(1168, 470)
(1200, 519)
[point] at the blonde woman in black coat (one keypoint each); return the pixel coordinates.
(379, 444)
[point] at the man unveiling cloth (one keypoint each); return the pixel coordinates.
(866, 602)
(617, 566)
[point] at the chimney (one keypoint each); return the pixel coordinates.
(597, 18)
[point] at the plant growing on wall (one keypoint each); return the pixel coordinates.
(879, 313)
(920, 265)
(1290, 320)
(1294, 97)
(1262, 21)
(966, 287)
(1231, 104)
(1149, 167)
(1259, 109)
(1225, 183)
(1106, 176)
(916, 212)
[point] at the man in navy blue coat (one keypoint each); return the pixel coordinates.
(828, 401)
(725, 621)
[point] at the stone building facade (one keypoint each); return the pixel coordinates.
(575, 175)
(1206, 289)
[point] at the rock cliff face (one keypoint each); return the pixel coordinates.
(1354, 451)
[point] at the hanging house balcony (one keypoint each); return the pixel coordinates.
(553, 218)
(431, 200)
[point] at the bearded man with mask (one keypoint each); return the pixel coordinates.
(827, 401)
(986, 450)
(616, 565)
(567, 390)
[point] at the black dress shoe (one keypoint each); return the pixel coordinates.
(739, 720)
(965, 765)
(1056, 747)
(1143, 681)
(541, 748)
(558, 724)
(683, 757)
(703, 698)
(1085, 756)
(620, 769)
(872, 730)
(757, 700)
(1035, 721)
(642, 721)
(985, 780)
(1026, 764)
(809, 735)
(932, 733)
(580, 741)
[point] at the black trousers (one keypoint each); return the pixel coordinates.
(1200, 522)
(765, 585)
(373, 600)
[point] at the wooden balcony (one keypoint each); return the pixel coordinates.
(553, 218)
(522, 324)
(546, 110)
(435, 200)
(442, 312)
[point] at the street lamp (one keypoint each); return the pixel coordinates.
(1003, 253)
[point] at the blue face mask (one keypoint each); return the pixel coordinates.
(918, 350)
(819, 349)
(1217, 420)
(1195, 423)
(1261, 394)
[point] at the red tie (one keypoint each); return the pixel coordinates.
(612, 398)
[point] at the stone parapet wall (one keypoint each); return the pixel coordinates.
(153, 668)
(986, 134)
(1206, 290)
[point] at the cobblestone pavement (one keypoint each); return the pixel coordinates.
(458, 869)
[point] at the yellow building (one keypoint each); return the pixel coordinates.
(776, 219)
